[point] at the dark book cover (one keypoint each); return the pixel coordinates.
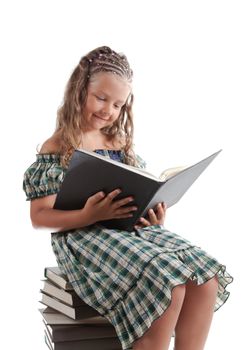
(59, 333)
(89, 173)
(86, 344)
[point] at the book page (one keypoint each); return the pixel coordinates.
(122, 165)
(166, 174)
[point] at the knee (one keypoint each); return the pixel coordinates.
(177, 298)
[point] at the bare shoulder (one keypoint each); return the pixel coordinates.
(51, 145)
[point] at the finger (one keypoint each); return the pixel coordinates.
(113, 194)
(126, 210)
(122, 202)
(152, 216)
(160, 211)
(122, 216)
(144, 222)
(97, 197)
(164, 206)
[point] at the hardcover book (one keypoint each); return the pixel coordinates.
(69, 297)
(54, 317)
(54, 274)
(87, 344)
(78, 312)
(60, 333)
(89, 173)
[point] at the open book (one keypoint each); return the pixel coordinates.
(89, 173)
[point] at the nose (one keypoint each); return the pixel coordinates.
(106, 110)
(104, 114)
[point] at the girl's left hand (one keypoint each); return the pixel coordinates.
(157, 218)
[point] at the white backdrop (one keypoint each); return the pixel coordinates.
(187, 59)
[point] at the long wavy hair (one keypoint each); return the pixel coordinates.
(69, 114)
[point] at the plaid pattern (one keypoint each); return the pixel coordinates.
(128, 276)
(43, 177)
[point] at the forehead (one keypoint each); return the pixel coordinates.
(110, 84)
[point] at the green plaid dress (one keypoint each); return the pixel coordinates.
(126, 276)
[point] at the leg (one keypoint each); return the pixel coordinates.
(159, 334)
(196, 315)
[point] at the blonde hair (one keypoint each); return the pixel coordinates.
(69, 114)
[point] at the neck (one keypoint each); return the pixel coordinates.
(93, 139)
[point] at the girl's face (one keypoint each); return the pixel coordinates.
(106, 95)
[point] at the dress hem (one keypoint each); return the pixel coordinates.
(220, 273)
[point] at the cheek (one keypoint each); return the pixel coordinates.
(116, 115)
(91, 105)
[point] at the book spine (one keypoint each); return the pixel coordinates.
(85, 311)
(70, 333)
(91, 344)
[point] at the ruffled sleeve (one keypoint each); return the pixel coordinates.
(43, 177)
(140, 162)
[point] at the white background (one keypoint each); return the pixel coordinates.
(188, 83)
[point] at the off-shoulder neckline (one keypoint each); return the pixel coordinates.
(46, 157)
(96, 150)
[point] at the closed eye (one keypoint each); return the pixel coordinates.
(100, 98)
(117, 106)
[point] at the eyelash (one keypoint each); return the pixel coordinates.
(100, 98)
(103, 99)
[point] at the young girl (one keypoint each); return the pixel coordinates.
(149, 283)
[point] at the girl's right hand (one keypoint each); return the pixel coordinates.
(101, 207)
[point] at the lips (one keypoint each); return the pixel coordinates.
(101, 118)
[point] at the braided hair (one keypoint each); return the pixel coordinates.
(69, 114)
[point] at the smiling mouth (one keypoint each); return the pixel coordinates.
(104, 119)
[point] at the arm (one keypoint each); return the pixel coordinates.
(42, 215)
(97, 208)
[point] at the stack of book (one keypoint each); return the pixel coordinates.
(69, 323)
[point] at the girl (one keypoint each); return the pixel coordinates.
(150, 282)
